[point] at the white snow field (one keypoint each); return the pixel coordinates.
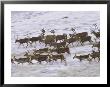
(30, 23)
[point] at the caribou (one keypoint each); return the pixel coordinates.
(96, 45)
(49, 39)
(85, 39)
(45, 58)
(12, 61)
(83, 57)
(60, 50)
(34, 39)
(71, 40)
(82, 34)
(63, 50)
(61, 44)
(95, 55)
(41, 50)
(22, 41)
(61, 37)
(58, 56)
(22, 60)
(97, 34)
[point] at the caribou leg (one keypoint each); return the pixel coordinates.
(78, 43)
(65, 62)
(89, 60)
(98, 59)
(27, 45)
(19, 45)
(80, 60)
(82, 43)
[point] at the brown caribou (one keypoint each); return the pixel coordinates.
(49, 39)
(83, 57)
(97, 34)
(22, 60)
(95, 55)
(58, 56)
(61, 37)
(63, 50)
(85, 39)
(61, 44)
(22, 41)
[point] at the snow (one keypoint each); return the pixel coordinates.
(73, 69)
(24, 23)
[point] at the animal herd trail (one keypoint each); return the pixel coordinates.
(31, 23)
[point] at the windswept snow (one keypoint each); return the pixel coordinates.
(30, 23)
(73, 69)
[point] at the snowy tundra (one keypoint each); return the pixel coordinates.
(30, 23)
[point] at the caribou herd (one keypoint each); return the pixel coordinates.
(60, 44)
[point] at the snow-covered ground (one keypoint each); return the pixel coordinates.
(25, 24)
